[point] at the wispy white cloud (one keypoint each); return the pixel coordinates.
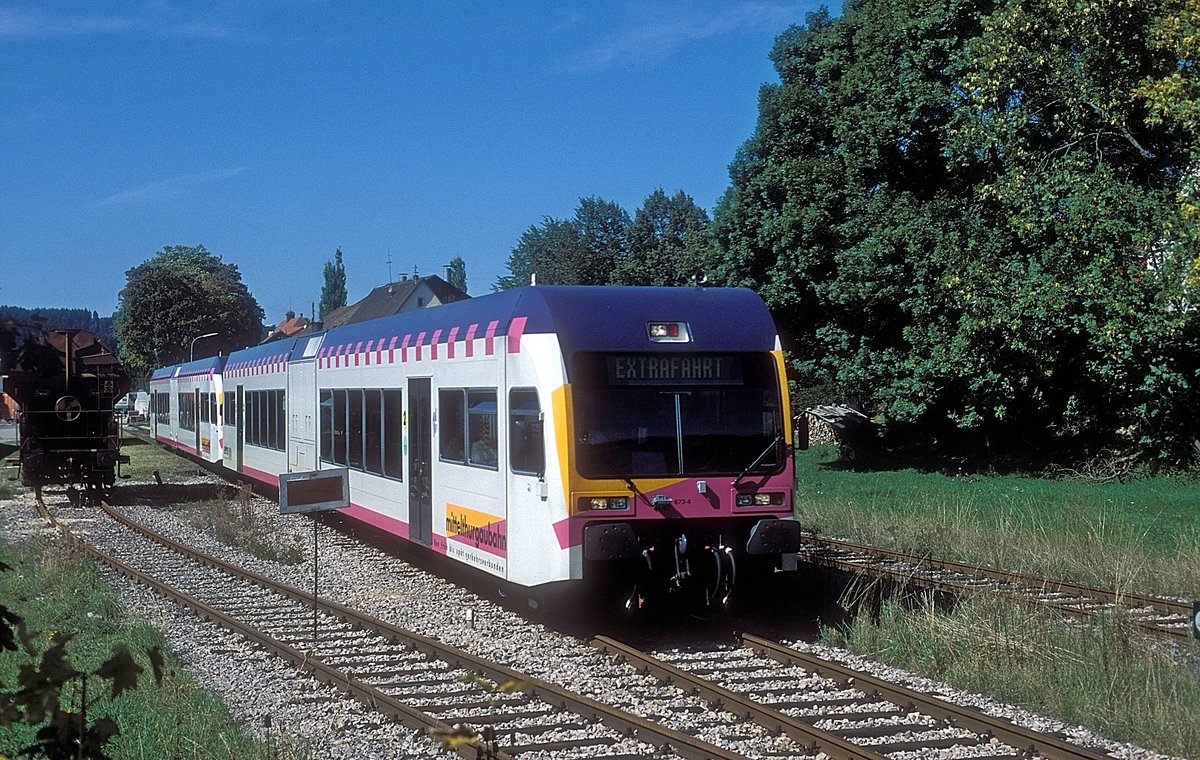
(17, 23)
(168, 188)
(652, 38)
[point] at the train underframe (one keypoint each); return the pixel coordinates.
(685, 563)
(85, 472)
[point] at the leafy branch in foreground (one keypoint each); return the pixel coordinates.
(53, 693)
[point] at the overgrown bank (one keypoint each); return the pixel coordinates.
(60, 595)
(1142, 535)
(1139, 536)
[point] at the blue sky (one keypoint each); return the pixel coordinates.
(274, 132)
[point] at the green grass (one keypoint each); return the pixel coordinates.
(145, 458)
(58, 592)
(1142, 535)
(1106, 676)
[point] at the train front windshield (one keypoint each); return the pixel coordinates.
(664, 415)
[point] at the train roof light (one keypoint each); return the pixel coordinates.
(669, 332)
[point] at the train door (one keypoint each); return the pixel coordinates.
(196, 417)
(239, 420)
(420, 455)
(301, 406)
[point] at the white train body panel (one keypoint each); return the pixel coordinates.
(193, 391)
(256, 429)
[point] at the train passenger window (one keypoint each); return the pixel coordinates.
(339, 427)
(281, 417)
(451, 423)
(373, 431)
(326, 407)
(526, 451)
(212, 408)
(204, 407)
(187, 411)
(250, 416)
(393, 434)
(481, 428)
(264, 419)
(230, 416)
(354, 429)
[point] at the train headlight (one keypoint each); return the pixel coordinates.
(603, 503)
(768, 499)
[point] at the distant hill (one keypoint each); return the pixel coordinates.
(63, 319)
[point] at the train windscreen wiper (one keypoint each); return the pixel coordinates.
(757, 460)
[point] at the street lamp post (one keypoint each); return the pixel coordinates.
(192, 349)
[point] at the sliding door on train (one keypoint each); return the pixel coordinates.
(420, 456)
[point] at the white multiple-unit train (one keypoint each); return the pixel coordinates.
(542, 435)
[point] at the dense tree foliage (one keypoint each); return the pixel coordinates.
(458, 273)
(179, 294)
(333, 291)
(61, 319)
(666, 242)
(961, 214)
(669, 242)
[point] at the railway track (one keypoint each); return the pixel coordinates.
(480, 708)
(1162, 617)
(839, 712)
(807, 707)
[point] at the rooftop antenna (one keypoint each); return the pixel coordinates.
(389, 263)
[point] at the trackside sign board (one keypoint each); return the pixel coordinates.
(314, 491)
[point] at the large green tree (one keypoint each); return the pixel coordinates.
(553, 252)
(582, 250)
(180, 293)
(669, 242)
(960, 214)
(333, 291)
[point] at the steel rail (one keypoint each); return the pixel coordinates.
(1009, 733)
(304, 661)
(1165, 607)
(632, 725)
(829, 744)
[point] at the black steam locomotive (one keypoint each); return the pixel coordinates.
(66, 383)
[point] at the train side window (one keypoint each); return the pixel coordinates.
(526, 449)
(281, 418)
(481, 428)
(250, 417)
(212, 408)
(354, 429)
(373, 431)
(230, 417)
(327, 426)
(451, 424)
(339, 427)
(393, 434)
(264, 419)
(187, 411)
